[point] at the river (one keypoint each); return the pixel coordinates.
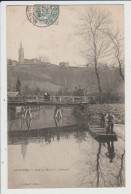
(61, 159)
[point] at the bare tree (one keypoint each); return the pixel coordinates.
(117, 41)
(97, 46)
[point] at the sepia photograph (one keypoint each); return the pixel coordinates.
(65, 96)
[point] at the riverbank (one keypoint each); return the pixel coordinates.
(120, 130)
(114, 108)
(117, 109)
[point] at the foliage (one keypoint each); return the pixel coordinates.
(79, 92)
(84, 78)
(82, 115)
(18, 86)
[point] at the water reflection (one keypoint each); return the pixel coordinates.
(103, 173)
(99, 164)
(111, 153)
(121, 171)
(34, 117)
(91, 162)
(28, 116)
(58, 116)
(24, 143)
(47, 137)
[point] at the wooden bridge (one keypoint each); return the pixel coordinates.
(53, 100)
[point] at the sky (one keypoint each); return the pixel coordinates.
(58, 42)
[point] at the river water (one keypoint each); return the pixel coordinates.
(61, 159)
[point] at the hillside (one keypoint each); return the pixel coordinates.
(50, 77)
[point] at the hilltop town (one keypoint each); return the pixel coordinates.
(38, 76)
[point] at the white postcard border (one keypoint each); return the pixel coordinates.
(4, 169)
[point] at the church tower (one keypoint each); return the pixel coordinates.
(21, 54)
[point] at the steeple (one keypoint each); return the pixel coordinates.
(21, 45)
(21, 54)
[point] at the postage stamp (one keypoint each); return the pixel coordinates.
(42, 15)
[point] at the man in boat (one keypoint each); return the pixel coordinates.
(102, 120)
(111, 120)
(112, 123)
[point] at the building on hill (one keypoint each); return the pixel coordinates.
(32, 61)
(64, 64)
(11, 62)
(23, 61)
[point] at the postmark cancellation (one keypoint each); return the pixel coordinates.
(42, 15)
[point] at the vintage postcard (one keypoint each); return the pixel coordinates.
(65, 96)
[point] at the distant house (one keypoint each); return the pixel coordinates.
(23, 61)
(31, 61)
(11, 62)
(63, 64)
(13, 94)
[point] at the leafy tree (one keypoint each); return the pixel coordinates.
(26, 90)
(38, 91)
(79, 92)
(18, 86)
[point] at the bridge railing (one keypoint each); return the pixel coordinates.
(70, 99)
(53, 99)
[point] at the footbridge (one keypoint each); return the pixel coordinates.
(52, 100)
